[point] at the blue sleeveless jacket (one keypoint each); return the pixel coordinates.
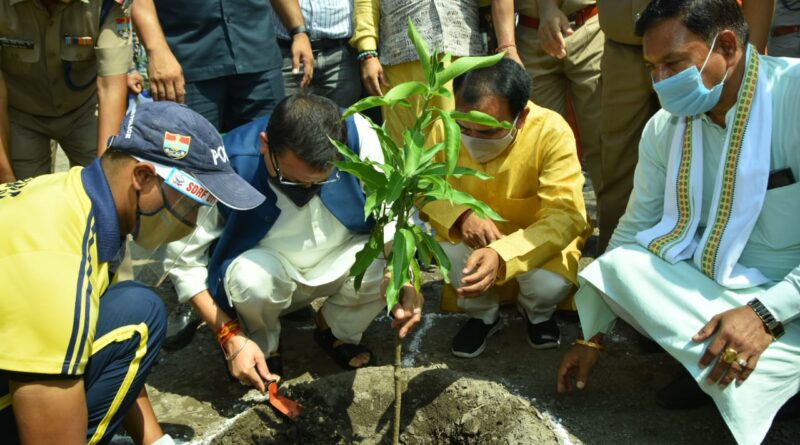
(244, 229)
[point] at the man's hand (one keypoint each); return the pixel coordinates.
(477, 232)
(553, 26)
(135, 82)
(302, 53)
(372, 76)
(408, 313)
(249, 365)
(480, 273)
(576, 366)
(166, 76)
(739, 329)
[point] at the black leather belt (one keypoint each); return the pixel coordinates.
(317, 45)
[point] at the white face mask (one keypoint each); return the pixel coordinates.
(484, 150)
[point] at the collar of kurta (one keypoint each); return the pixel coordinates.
(109, 238)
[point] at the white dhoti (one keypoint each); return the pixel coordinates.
(670, 304)
(539, 290)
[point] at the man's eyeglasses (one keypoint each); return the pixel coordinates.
(283, 180)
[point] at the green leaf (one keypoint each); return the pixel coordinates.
(464, 64)
(345, 151)
(438, 254)
(371, 178)
(428, 155)
(395, 186)
(414, 141)
(404, 91)
(425, 254)
(403, 250)
(482, 209)
(477, 117)
(422, 49)
(452, 141)
(439, 169)
(364, 104)
(366, 256)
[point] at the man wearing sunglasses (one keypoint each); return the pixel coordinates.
(244, 269)
(75, 346)
(536, 186)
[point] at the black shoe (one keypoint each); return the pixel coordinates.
(682, 393)
(471, 339)
(182, 324)
(544, 335)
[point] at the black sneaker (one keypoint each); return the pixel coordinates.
(471, 339)
(182, 324)
(544, 335)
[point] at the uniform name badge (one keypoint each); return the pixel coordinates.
(8, 42)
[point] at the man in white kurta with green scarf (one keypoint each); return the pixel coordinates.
(706, 260)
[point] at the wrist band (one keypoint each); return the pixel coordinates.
(364, 55)
(227, 331)
(590, 344)
(298, 30)
(237, 352)
(502, 47)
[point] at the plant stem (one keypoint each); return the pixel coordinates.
(398, 390)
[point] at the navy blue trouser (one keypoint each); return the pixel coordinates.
(131, 326)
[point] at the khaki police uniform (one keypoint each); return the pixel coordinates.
(50, 63)
(577, 74)
(628, 102)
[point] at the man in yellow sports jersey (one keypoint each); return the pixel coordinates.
(75, 350)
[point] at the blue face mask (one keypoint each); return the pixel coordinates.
(685, 94)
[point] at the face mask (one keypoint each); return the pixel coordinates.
(484, 150)
(299, 195)
(159, 227)
(685, 94)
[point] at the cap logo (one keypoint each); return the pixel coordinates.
(176, 146)
(219, 154)
(190, 187)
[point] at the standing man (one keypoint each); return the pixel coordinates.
(336, 74)
(230, 59)
(561, 47)
(706, 261)
(536, 185)
(63, 68)
(75, 350)
(784, 36)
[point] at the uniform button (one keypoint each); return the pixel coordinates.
(228, 19)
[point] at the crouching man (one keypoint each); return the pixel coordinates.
(244, 268)
(536, 186)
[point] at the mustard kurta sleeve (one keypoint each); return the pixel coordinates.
(366, 25)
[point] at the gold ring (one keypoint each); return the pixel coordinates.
(729, 355)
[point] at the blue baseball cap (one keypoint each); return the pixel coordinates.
(171, 135)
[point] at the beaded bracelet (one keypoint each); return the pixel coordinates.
(590, 344)
(364, 55)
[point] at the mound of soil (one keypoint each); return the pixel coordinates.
(440, 406)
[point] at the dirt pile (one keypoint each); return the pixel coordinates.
(440, 406)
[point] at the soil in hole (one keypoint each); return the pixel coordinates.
(440, 406)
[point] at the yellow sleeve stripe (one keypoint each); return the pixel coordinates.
(80, 324)
(120, 334)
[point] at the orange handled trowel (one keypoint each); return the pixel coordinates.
(283, 404)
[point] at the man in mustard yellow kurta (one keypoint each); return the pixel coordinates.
(536, 186)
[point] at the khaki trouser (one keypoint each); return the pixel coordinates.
(76, 132)
(539, 290)
(400, 118)
(261, 291)
(577, 74)
(628, 103)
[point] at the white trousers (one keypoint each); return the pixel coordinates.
(261, 291)
(539, 290)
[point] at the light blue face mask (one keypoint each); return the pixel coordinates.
(685, 94)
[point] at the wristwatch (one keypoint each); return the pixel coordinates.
(774, 326)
